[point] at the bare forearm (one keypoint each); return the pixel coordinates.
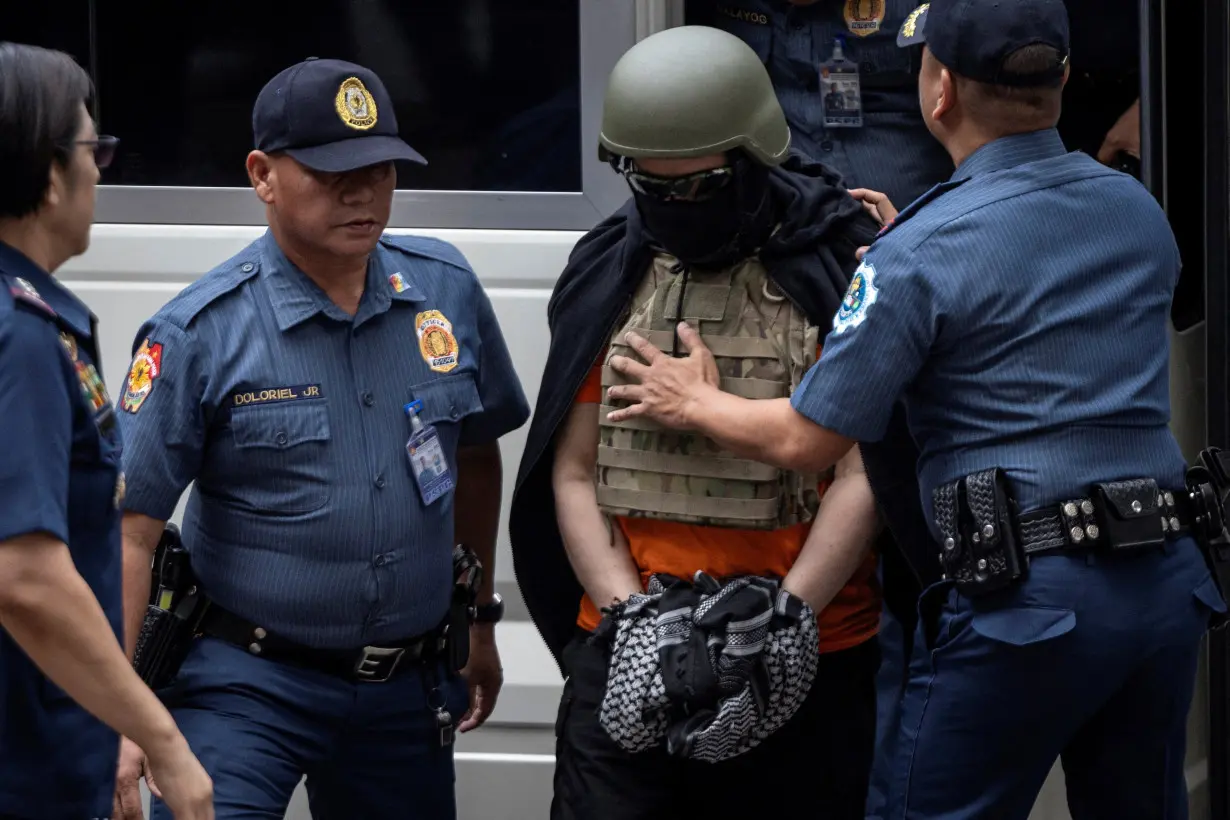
(840, 539)
(768, 431)
(58, 622)
(595, 545)
(476, 508)
(140, 539)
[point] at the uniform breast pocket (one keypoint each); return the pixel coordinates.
(881, 63)
(283, 463)
(447, 401)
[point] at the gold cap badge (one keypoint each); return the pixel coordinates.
(355, 105)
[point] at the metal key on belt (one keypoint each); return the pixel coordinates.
(444, 721)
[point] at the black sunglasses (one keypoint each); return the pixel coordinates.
(691, 188)
(104, 149)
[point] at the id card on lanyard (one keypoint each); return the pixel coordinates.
(427, 461)
(840, 93)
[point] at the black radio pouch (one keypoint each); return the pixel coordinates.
(980, 551)
(1129, 514)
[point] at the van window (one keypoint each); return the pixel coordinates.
(502, 98)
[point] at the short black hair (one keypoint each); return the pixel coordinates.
(41, 93)
(1021, 106)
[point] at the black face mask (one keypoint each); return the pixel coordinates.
(715, 232)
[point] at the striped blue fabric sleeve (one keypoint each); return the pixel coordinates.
(504, 404)
(163, 425)
(37, 434)
(881, 337)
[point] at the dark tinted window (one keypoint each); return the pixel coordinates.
(487, 90)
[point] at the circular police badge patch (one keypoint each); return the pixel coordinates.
(436, 341)
(860, 296)
(355, 105)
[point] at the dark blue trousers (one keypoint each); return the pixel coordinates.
(890, 688)
(369, 750)
(1091, 660)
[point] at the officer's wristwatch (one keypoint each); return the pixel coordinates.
(491, 613)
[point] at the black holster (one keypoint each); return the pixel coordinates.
(467, 577)
(980, 551)
(1208, 487)
(176, 607)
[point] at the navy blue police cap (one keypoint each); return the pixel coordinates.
(975, 37)
(329, 115)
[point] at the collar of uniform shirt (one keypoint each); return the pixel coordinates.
(1008, 152)
(297, 298)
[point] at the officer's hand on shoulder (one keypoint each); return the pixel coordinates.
(876, 204)
(179, 780)
(127, 802)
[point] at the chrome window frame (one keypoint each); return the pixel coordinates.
(607, 29)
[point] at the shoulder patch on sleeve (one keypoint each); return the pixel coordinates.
(427, 247)
(225, 278)
(24, 293)
(859, 298)
(146, 366)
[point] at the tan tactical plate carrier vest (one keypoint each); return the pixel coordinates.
(763, 345)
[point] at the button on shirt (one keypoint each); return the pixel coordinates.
(305, 517)
(59, 476)
(1022, 309)
(892, 152)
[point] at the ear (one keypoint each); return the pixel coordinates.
(948, 95)
(262, 175)
(1067, 71)
(57, 185)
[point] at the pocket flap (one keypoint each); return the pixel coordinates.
(1131, 499)
(1024, 625)
(1209, 595)
(448, 399)
(278, 426)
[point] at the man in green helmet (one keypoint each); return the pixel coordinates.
(715, 618)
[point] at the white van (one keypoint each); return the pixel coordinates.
(504, 100)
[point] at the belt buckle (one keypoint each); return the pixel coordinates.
(376, 663)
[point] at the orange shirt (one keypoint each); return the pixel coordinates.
(677, 549)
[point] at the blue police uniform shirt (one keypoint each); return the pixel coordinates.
(892, 152)
(286, 412)
(60, 476)
(1022, 310)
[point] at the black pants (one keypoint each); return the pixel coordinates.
(819, 761)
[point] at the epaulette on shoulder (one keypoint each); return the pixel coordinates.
(427, 247)
(224, 279)
(24, 293)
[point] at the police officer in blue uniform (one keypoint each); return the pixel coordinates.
(303, 385)
(65, 686)
(806, 44)
(1021, 308)
(887, 152)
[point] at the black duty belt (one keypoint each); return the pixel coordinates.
(373, 664)
(1077, 523)
(986, 545)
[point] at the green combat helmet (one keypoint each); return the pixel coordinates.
(689, 92)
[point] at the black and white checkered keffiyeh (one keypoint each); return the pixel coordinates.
(714, 669)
